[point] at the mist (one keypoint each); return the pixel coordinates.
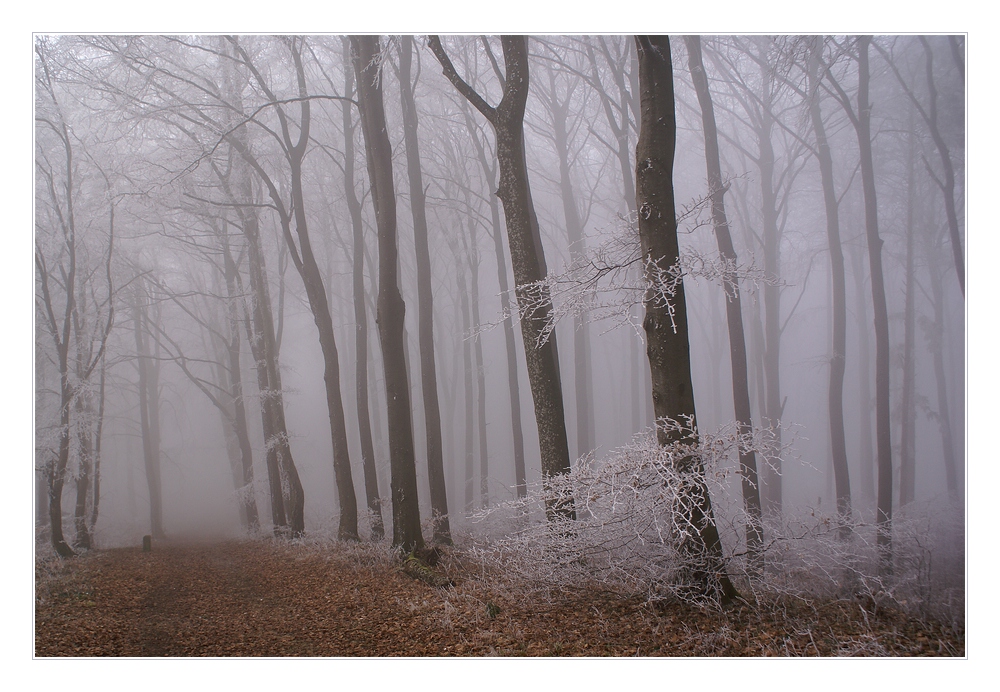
(237, 336)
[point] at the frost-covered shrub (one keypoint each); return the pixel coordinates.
(632, 529)
(633, 534)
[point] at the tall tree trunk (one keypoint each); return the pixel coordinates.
(306, 265)
(734, 308)
(666, 324)
(56, 469)
(882, 412)
(582, 378)
(865, 433)
(391, 308)
(84, 412)
(260, 335)
(524, 238)
(513, 387)
(907, 445)
(838, 361)
(948, 184)
(772, 317)
(98, 434)
(246, 498)
(472, 256)
(463, 301)
(148, 412)
(616, 112)
(425, 304)
(935, 342)
(259, 321)
(372, 496)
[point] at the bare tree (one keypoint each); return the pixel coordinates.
(838, 362)
(513, 388)
(665, 321)
(425, 304)
(305, 262)
(861, 119)
(523, 236)
(734, 306)
(930, 117)
(61, 277)
(360, 313)
(406, 533)
(148, 366)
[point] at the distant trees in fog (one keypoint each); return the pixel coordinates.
(176, 177)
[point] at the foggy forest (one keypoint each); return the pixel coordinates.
(662, 337)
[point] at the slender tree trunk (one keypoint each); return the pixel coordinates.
(935, 342)
(56, 471)
(666, 324)
(84, 411)
(463, 301)
(838, 361)
(617, 115)
(472, 255)
(865, 433)
(907, 445)
(263, 346)
(948, 184)
(246, 498)
(320, 307)
(734, 309)
(527, 256)
(582, 378)
(372, 496)
(425, 304)
(259, 317)
(391, 309)
(513, 387)
(148, 414)
(98, 434)
(772, 318)
(882, 412)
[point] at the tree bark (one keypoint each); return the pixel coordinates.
(98, 434)
(882, 412)
(234, 388)
(84, 411)
(513, 386)
(734, 309)
(838, 362)
(425, 304)
(463, 302)
(907, 444)
(472, 255)
(935, 343)
(666, 324)
(582, 378)
(372, 496)
(527, 256)
(865, 433)
(148, 412)
(391, 308)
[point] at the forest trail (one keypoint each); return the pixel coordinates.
(267, 598)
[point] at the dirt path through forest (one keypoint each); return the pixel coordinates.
(267, 598)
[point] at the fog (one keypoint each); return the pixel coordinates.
(157, 156)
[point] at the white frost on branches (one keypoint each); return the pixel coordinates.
(613, 277)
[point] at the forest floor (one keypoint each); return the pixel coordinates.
(271, 598)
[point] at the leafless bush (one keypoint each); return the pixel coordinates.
(632, 534)
(632, 531)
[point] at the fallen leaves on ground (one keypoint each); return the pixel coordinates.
(274, 598)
